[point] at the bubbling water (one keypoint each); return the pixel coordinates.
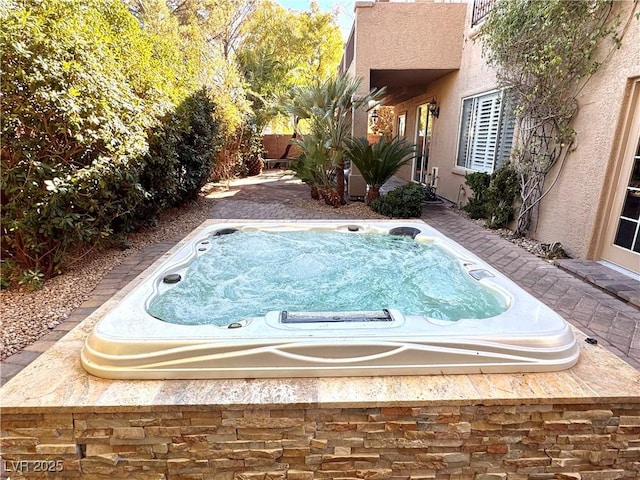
(247, 274)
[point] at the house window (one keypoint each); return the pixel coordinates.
(486, 132)
(401, 125)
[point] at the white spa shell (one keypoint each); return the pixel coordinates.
(128, 343)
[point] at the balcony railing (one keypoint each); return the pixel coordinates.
(481, 9)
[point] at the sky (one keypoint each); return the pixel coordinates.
(344, 9)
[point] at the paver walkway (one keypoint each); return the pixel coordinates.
(616, 283)
(276, 195)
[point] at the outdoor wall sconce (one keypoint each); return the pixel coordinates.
(374, 116)
(434, 108)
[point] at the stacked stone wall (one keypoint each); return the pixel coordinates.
(478, 442)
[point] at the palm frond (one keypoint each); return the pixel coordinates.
(379, 162)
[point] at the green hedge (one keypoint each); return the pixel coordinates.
(181, 155)
(402, 202)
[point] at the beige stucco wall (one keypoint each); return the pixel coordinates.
(381, 35)
(383, 30)
(408, 35)
(573, 211)
(570, 212)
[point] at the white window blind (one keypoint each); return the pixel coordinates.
(486, 133)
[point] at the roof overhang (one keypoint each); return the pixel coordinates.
(402, 85)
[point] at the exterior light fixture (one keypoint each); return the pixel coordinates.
(374, 116)
(434, 108)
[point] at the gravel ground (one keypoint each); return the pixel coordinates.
(543, 250)
(355, 210)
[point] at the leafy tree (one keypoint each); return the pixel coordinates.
(319, 45)
(171, 40)
(206, 32)
(264, 59)
(282, 49)
(384, 123)
(210, 24)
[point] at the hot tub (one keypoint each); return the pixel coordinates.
(140, 338)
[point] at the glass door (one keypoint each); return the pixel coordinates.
(628, 233)
(622, 237)
(424, 122)
(620, 231)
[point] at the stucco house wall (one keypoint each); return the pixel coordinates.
(392, 37)
(406, 35)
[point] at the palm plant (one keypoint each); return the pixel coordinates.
(328, 107)
(378, 162)
(311, 165)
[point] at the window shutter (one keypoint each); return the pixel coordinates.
(507, 128)
(486, 133)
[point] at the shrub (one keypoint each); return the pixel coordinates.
(312, 164)
(478, 182)
(252, 150)
(240, 153)
(197, 144)
(504, 189)
(402, 202)
(181, 155)
(377, 163)
(493, 196)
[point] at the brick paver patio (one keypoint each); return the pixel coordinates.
(276, 195)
